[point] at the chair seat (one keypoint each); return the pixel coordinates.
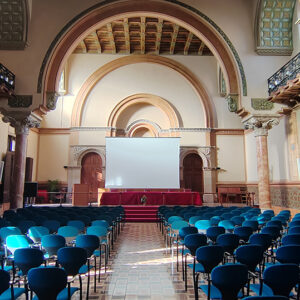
(199, 267)
(7, 294)
(266, 291)
(214, 292)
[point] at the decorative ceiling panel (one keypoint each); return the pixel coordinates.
(142, 35)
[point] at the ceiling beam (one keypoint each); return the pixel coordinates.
(97, 41)
(143, 30)
(200, 51)
(187, 44)
(174, 38)
(126, 34)
(111, 38)
(83, 46)
(159, 27)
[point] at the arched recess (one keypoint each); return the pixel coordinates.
(139, 125)
(127, 60)
(154, 100)
(172, 10)
(91, 173)
(193, 172)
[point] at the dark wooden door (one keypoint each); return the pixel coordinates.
(91, 174)
(193, 172)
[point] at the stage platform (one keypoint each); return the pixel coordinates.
(151, 198)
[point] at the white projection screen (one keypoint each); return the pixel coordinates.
(142, 163)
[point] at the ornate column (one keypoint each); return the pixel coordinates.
(22, 127)
(261, 125)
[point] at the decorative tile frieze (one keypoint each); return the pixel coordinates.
(261, 104)
(13, 24)
(232, 102)
(51, 98)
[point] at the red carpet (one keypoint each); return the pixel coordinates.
(140, 213)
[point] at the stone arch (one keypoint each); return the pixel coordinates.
(154, 100)
(173, 10)
(123, 61)
(91, 150)
(152, 127)
(184, 153)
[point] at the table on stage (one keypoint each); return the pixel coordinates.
(152, 198)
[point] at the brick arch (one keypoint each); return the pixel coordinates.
(123, 61)
(98, 15)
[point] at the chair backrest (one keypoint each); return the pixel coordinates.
(47, 282)
(99, 231)
(229, 279)
(24, 225)
(294, 230)
(274, 231)
(89, 242)
(27, 258)
(100, 223)
(291, 239)
(288, 254)
(194, 219)
(243, 232)
(71, 259)
(80, 225)
(52, 242)
(238, 220)
(250, 255)
(227, 224)
(194, 241)
(262, 239)
(209, 256)
(229, 241)
(281, 278)
(202, 225)
(68, 232)
(184, 231)
(4, 280)
(213, 232)
(251, 223)
(52, 225)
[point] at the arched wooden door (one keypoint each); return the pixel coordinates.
(91, 174)
(193, 172)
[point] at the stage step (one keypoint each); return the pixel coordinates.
(140, 213)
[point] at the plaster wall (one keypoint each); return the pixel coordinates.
(250, 157)
(230, 158)
(53, 155)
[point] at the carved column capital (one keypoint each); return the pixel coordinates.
(261, 123)
(23, 124)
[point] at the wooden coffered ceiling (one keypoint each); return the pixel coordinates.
(142, 35)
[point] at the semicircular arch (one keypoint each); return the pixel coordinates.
(88, 85)
(175, 11)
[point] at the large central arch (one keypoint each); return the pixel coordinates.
(100, 14)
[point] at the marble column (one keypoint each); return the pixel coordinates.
(22, 125)
(261, 135)
(261, 124)
(17, 187)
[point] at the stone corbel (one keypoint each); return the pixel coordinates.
(51, 98)
(232, 102)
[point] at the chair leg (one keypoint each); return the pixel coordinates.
(80, 287)
(185, 272)
(196, 287)
(95, 272)
(88, 281)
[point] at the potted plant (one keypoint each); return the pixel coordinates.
(53, 186)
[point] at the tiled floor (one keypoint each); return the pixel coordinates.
(140, 268)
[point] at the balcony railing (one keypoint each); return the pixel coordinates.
(286, 73)
(7, 78)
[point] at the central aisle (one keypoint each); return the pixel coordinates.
(141, 269)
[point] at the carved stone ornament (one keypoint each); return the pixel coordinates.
(51, 98)
(23, 125)
(261, 104)
(20, 101)
(261, 123)
(232, 102)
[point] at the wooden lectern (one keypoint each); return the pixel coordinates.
(81, 195)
